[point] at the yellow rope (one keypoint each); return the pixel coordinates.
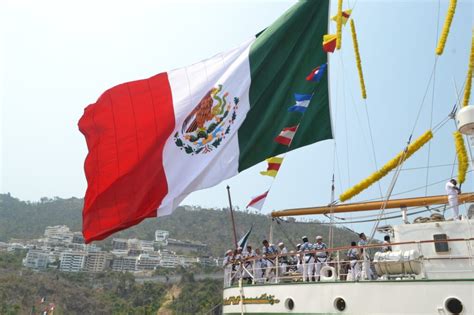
(446, 26)
(463, 162)
(358, 62)
(339, 24)
(467, 89)
(389, 166)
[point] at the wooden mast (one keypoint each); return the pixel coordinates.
(374, 205)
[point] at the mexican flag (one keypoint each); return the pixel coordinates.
(152, 142)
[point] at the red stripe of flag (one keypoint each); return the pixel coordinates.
(273, 166)
(126, 130)
(257, 199)
(286, 135)
(330, 46)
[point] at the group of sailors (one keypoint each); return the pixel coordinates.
(264, 264)
(273, 262)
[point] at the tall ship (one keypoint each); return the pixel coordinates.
(426, 263)
(154, 141)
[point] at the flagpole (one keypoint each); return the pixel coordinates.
(232, 216)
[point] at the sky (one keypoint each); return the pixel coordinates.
(56, 57)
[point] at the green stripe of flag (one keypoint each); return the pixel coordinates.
(280, 59)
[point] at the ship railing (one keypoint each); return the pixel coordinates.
(332, 264)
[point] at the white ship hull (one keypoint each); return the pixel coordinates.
(361, 298)
(443, 272)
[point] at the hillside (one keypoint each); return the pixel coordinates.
(26, 220)
(21, 291)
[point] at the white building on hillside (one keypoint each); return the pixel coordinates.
(72, 261)
(58, 234)
(124, 263)
(148, 262)
(36, 259)
(161, 237)
(96, 261)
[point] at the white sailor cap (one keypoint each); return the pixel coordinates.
(319, 237)
(281, 244)
(304, 237)
(228, 252)
(298, 245)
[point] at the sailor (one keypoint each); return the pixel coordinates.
(321, 255)
(299, 262)
(283, 259)
(268, 261)
(227, 264)
(308, 259)
(353, 257)
(238, 260)
(453, 191)
(364, 253)
(249, 262)
(258, 267)
(386, 243)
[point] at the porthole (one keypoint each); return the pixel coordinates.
(340, 304)
(453, 305)
(290, 304)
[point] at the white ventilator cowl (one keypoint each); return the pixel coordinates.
(465, 120)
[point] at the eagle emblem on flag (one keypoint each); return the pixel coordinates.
(208, 123)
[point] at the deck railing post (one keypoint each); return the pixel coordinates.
(277, 267)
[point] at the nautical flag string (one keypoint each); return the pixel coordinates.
(273, 167)
(317, 73)
(258, 201)
(345, 16)
(286, 135)
(329, 42)
(302, 103)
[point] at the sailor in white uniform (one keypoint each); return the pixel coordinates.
(308, 259)
(453, 191)
(353, 256)
(283, 260)
(227, 264)
(364, 253)
(238, 261)
(258, 267)
(248, 256)
(321, 257)
(299, 259)
(268, 261)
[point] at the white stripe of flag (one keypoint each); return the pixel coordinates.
(257, 202)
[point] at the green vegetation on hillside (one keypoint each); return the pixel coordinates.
(27, 220)
(21, 291)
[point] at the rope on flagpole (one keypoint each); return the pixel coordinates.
(339, 25)
(358, 61)
(446, 27)
(389, 166)
(462, 156)
(467, 88)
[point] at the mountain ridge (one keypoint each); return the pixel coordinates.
(27, 220)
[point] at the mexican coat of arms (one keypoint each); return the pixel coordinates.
(208, 123)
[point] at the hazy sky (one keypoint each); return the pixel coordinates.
(56, 57)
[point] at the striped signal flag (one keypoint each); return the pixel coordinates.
(329, 42)
(286, 135)
(345, 16)
(258, 201)
(274, 164)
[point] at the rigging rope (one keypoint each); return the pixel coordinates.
(432, 102)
